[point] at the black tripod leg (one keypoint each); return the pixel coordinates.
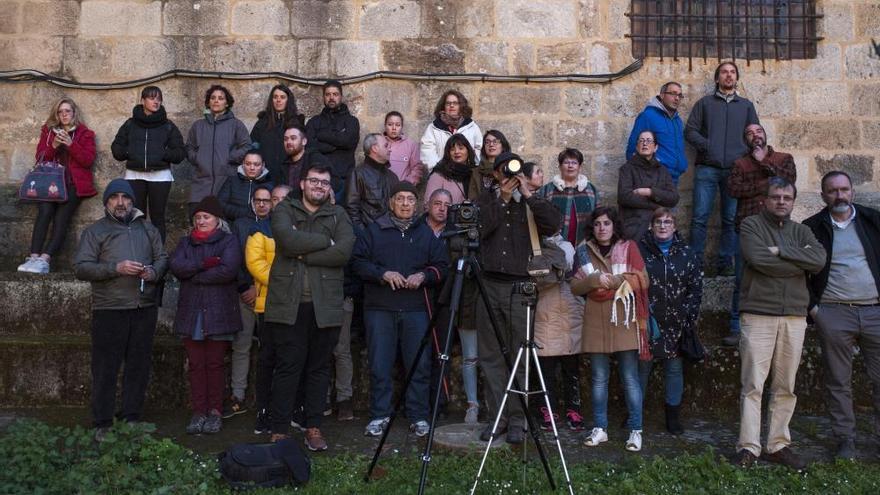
(400, 400)
(506, 355)
(455, 300)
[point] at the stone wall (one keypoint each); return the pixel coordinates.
(824, 111)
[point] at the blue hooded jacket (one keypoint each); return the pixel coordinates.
(669, 131)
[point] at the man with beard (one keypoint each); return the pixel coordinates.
(313, 241)
(715, 129)
(845, 300)
(123, 257)
(748, 184)
(335, 133)
(778, 253)
(661, 117)
(369, 185)
(299, 159)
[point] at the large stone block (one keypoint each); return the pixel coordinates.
(590, 18)
(385, 96)
(837, 22)
(487, 57)
(242, 55)
(58, 17)
(622, 100)
(859, 167)
(313, 57)
(600, 59)
(862, 62)
(871, 134)
(475, 19)
(617, 25)
(828, 64)
(514, 130)
(864, 99)
(527, 19)
(583, 101)
(43, 54)
(132, 59)
(563, 58)
(438, 18)
(821, 99)
(868, 20)
(544, 134)
(255, 17)
(771, 99)
(332, 19)
(353, 58)
(603, 135)
(390, 20)
(10, 15)
(504, 100)
(424, 56)
(202, 18)
(523, 58)
(85, 57)
(815, 134)
(120, 18)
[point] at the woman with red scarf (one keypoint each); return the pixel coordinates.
(610, 271)
(207, 262)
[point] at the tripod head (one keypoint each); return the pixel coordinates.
(465, 240)
(529, 291)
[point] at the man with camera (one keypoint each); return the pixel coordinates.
(505, 253)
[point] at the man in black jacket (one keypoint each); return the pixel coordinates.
(369, 185)
(505, 253)
(845, 300)
(335, 133)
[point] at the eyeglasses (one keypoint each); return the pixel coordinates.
(451, 103)
(663, 223)
(405, 200)
(490, 142)
(646, 141)
(674, 95)
(63, 111)
(313, 181)
(262, 201)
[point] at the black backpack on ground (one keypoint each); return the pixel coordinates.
(248, 466)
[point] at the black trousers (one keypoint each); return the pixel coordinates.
(121, 337)
(571, 383)
(59, 216)
(301, 348)
(157, 195)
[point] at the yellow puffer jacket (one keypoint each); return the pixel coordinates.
(259, 252)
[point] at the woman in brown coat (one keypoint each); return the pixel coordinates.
(643, 185)
(611, 273)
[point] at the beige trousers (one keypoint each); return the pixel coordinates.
(769, 346)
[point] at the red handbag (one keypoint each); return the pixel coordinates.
(44, 183)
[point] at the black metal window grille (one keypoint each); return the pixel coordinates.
(728, 29)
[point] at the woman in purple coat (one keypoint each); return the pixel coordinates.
(207, 262)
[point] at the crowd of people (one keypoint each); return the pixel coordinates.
(294, 246)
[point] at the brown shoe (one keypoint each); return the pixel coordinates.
(745, 459)
(785, 457)
(314, 440)
(346, 411)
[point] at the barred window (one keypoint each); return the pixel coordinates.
(730, 29)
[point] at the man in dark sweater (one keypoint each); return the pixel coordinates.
(505, 253)
(748, 184)
(778, 255)
(845, 300)
(335, 133)
(715, 128)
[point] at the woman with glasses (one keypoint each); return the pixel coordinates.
(676, 288)
(494, 143)
(643, 185)
(64, 138)
(452, 115)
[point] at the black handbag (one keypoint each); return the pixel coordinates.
(691, 347)
(265, 465)
(44, 183)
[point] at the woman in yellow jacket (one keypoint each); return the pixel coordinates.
(259, 253)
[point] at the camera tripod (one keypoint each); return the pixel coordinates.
(465, 262)
(528, 353)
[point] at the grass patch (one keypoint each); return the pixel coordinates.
(43, 459)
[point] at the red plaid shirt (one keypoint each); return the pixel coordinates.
(748, 180)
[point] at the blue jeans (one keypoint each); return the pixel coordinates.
(628, 367)
(469, 362)
(673, 378)
(385, 330)
(708, 181)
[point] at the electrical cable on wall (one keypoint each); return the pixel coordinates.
(29, 75)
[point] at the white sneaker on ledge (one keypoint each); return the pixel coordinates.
(597, 436)
(634, 444)
(28, 265)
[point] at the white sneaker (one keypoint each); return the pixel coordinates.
(420, 428)
(376, 427)
(41, 265)
(472, 415)
(634, 444)
(596, 437)
(28, 265)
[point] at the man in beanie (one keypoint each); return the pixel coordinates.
(505, 252)
(400, 261)
(123, 257)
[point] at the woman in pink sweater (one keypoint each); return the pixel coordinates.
(404, 155)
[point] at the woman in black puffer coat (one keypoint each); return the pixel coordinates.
(268, 133)
(149, 143)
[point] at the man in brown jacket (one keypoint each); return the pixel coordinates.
(777, 253)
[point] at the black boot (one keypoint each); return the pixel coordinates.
(673, 423)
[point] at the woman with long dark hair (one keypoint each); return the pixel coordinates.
(149, 143)
(65, 139)
(268, 133)
(453, 172)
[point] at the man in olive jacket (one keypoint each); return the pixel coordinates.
(122, 256)
(778, 253)
(313, 241)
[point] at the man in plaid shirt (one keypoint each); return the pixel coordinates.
(748, 184)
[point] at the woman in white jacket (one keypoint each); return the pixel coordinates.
(452, 115)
